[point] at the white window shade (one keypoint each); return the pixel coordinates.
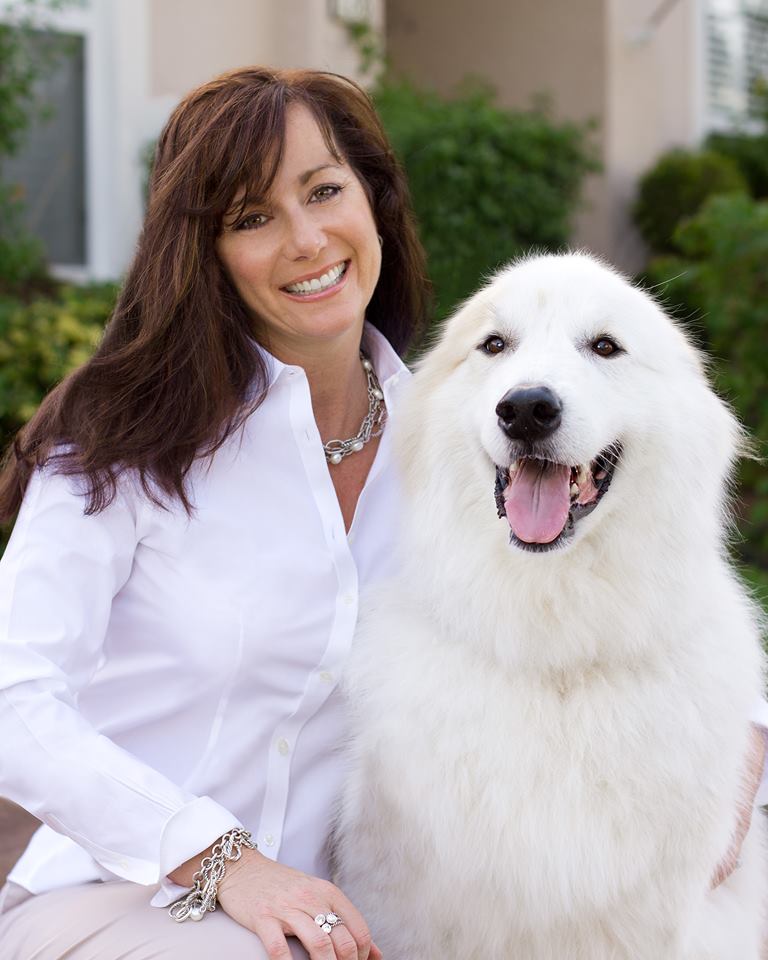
(756, 56)
(736, 56)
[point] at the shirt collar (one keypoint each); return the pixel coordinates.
(386, 362)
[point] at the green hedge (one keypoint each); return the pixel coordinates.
(487, 183)
(719, 283)
(677, 187)
(750, 153)
(43, 340)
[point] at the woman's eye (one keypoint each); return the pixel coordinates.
(605, 347)
(252, 221)
(493, 345)
(326, 192)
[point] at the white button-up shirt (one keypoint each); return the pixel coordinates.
(165, 677)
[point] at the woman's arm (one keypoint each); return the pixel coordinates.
(753, 785)
(58, 578)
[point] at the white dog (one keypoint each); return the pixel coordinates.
(551, 706)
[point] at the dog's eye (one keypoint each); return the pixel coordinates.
(493, 345)
(605, 347)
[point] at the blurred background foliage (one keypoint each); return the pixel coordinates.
(488, 184)
(41, 340)
(709, 266)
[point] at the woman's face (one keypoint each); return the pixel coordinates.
(306, 260)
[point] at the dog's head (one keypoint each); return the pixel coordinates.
(571, 396)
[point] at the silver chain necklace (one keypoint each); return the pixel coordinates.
(373, 421)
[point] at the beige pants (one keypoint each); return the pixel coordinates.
(114, 921)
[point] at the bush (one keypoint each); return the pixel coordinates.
(23, 268)
(676, 188)
(757, 580)
(487, 183)
(750, 153)
(41, 342)
(720, 282)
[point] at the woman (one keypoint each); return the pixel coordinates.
(200, 505)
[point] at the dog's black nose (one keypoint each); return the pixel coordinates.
(529, 413)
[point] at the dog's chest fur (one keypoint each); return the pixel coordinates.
(548, 795)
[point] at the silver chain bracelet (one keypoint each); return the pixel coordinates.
(201, 899)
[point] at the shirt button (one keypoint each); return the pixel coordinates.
(269, 840)
(283, 747)
(348, 599)
(326, 676)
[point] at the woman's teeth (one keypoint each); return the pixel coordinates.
(318, 283)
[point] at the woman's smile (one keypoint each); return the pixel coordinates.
(317, 285)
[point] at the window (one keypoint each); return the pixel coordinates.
(49, 169)
(737, 56)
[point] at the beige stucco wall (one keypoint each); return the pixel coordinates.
(524, 47)
(193, 40)
(597, 59)
(654, 102)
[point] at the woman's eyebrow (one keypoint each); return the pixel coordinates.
(308, 174)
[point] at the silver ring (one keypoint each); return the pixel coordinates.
(327, 921)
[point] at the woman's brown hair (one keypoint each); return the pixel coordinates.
(177, 372)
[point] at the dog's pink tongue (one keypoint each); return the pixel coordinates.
(537, 500)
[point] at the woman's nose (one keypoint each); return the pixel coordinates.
(305, 238)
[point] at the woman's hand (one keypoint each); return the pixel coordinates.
(275, 901)
(752, 777)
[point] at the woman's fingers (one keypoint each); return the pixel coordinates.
(316, 941)
(354, 922)
(270, 932)
(345, 944)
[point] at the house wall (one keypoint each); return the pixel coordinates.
(194, 40)
(655, 101)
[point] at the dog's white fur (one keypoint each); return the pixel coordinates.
(548, 748)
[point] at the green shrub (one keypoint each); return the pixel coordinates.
(750, 153)
(757, 579)
(720, 283)
(676, 187)
(23, 268)
(487, 183)
(41, 342)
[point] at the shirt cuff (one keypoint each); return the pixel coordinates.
(187, 833)
(760, 720)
